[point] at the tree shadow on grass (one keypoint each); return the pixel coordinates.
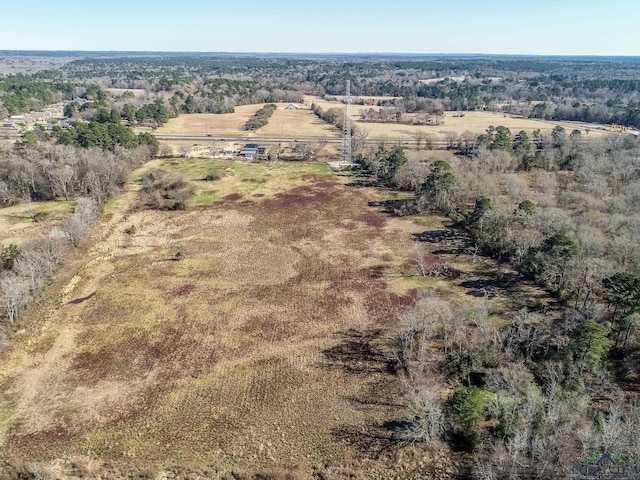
(363, 179)
(358, 353)
(492, 283)
(451, 242)
(374, 440)
(362, 353)
(78, 301)
(398, 207)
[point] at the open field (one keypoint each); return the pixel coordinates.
(367, 99)
(23, 222)
(205, 123)
(296, 123)
(233, 355)
(474, 121)
(286, 123)
(246, 333)
(459, 78)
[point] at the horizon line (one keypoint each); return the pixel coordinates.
(284, 53)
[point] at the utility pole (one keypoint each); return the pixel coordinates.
(346, 159)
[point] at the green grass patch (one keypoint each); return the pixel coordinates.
(402, 285)
(205, 197)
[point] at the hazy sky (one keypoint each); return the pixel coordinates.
(570, 27)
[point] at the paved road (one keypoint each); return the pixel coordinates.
(332, 140)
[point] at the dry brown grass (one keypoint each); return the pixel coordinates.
(259, 348)
(459, 78)
(296, 123)
(475, 122)
(210, 123)
(25, 221)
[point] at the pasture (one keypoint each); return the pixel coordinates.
(201, 124)
(473, 121)
(137, 92)
(296, 123)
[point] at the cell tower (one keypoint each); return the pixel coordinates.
(346, 159)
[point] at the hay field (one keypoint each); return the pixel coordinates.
(296, 123)
(283, 123)
(259, 346)
(473, 121)
(25, 221)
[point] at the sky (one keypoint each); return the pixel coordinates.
(534, 27)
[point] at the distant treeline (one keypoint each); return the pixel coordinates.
(602, 90)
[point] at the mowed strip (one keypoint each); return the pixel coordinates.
(244, 333)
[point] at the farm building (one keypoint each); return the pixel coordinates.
(252, 151)
(292, 106)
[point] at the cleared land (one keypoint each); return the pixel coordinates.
(296, 123)
(246, 353)
(246, 333)
(459, 78)
(301, 122)
(138, 92)
(205, 123)
(473, 121)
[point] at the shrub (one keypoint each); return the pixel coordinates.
(466, 409)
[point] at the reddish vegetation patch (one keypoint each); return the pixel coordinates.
(50, 436)
(268, 328)
(184, 290)
(319, 193)
(173, 352)
(232, 197)
(376, 271)
(373, 219)
(384, 305)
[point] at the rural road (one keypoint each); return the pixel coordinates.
(336, 140)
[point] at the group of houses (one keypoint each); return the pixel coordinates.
(46, 118)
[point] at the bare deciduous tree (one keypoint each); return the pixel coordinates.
(16, 294)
